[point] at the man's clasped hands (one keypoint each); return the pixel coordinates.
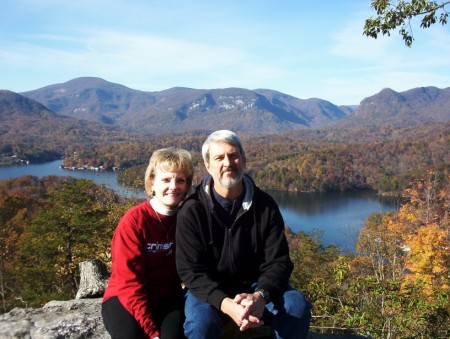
(246, 309)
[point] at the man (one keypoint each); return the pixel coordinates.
(232, 253)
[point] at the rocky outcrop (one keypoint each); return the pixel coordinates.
(81, 318)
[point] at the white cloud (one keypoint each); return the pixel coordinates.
(157, 45)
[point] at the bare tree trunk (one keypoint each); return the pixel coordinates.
(93, 279)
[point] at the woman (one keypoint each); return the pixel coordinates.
(144, 298)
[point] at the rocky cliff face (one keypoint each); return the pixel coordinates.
(80, 318)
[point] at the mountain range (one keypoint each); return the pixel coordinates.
(413, 107)
(180, 109)
(253, 112)
(33, 128)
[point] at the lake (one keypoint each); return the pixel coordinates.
(338, 215)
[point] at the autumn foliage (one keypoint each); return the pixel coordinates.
(396, 285)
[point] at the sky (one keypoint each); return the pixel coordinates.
(304, 48)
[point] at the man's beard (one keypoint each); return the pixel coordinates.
(230, 182)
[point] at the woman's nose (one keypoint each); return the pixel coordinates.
(173, 183)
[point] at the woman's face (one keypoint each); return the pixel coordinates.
(170, 188)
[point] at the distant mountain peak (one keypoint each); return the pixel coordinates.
(415, 106)
(179, 108)
(260, 111)
(12, 103)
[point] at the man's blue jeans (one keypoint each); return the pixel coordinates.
(289, 316)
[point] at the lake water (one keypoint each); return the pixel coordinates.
(338, 215)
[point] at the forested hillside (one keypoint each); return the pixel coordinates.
(32, 132)
(346, 163)
(48, 226)
(380, 146)
(396, 285)
(381, 159)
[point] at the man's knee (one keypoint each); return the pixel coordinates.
(296, 304)
(202, 319)
(204, 327)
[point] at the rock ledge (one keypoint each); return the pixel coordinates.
(80, 318)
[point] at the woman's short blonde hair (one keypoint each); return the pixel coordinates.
(169, 160)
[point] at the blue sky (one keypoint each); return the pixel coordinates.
(308, 49)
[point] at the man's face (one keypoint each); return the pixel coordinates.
(226, 164)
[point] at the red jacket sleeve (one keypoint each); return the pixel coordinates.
(129, 259)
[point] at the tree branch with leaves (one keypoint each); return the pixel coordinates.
(398, 14)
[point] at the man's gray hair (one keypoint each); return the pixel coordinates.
(225, 136)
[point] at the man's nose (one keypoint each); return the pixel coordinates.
(226, 161)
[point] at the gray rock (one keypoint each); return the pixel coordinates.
(79, 318)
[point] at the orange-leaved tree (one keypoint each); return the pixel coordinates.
(424, 225)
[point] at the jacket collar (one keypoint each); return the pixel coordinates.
(249, 190)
